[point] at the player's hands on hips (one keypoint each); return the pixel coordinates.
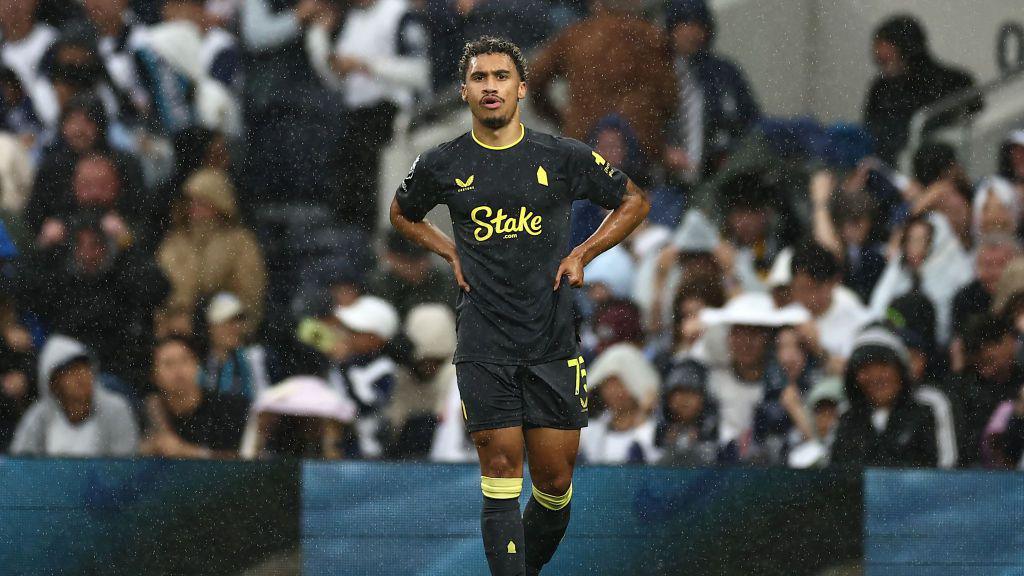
(571, 266)
(453, 259)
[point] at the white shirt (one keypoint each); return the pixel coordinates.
(736, 403)
(66, 439)
(23, 58)
(599, 444)
(841, 323)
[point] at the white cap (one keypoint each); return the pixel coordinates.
(369, 315)
(755, 309)
(431, 329)
(223, 307)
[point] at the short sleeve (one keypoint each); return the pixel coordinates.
(417, 194)
(592, 178)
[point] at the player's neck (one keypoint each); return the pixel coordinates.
(503, 137)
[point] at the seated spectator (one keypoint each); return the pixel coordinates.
(17, 111)
(992, 255)
(930, 257)
(362, 370)
(17, 361)
(627, 385)
(232, 368)
(837, 313)
(996, 208)
(26, 42)
(688, 430)
(884, 426)
(211, 251)
(300, 417)
(610, 316)
(716, 105)
(993, 375)
(616, 36)
(186, 421)
(842, 225)
(91, 289)
(910, 79)
(1011, 158)
(408, 276)
(117, 31)
(941, 184)
(825, 403)
(73, 415)
(421, 389)
(752, 377)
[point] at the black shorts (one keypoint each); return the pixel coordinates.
(549, 395)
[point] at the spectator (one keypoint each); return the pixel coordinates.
(752, 377)
(17, 111)
(996, 208)
(689, 339)
(716, 105)
(688, 431)
(117, 32)
(884, 425)
(825, 403)
(842, 225)
(941, 184)
(930, 257)
(74, 416)
(361, 368)
(837, 313)
(300, 417)
(420, 390)
(409, 276)
(186, 421)
(628, 388)
(25, 43)
(994, 252)
(231, 367)
(211, 251)
(615, 36)
(994, 375)
(1011, 158)
(910, 79)
(89, 288)
(610, 316)
(379, 64)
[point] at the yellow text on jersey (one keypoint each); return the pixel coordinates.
(488, 223)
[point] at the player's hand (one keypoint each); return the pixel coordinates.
(453, 259)
(571, 266)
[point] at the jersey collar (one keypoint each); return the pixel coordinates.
(505, 147)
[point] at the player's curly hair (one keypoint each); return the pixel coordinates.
(491, 45)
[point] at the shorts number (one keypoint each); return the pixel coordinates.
(581, 373)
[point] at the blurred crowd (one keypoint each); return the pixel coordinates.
(191, 263)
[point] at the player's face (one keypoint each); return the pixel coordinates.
(493, 89)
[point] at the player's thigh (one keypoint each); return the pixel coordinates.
(500, 451)
(552, 456)
(555, 394)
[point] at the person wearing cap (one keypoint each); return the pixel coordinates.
(231, 367)
(212, 251)
(610, 316)
(1011, 158)
(909, 79)
(687, 430)
(184, 419)
(74, 416)
(409, 276)
(362, 370)
(884, 426)
(413, 413)
(837, 313)
(752, 378)
(716, 104)
(628, 386)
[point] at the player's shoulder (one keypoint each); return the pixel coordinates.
(553, 142)
(442, 154)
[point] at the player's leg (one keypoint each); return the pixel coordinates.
(501, 480)
(552, 456)
(555, 395)
(493, 408)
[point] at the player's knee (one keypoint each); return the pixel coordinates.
(555, 499)
(499, 465)
(501, 488)
(555, 484)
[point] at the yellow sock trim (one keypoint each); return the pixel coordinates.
(553, 502)
(501, 488)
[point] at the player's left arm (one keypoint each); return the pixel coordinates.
(619, 223)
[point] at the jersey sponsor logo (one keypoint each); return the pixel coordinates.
(466, 184)
(542, 176)
(605, 166)
(488, 223)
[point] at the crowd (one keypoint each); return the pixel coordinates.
(191, 264)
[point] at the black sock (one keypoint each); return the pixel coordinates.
(544, 530)
(502, 526)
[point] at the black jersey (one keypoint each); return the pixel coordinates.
(510, 210)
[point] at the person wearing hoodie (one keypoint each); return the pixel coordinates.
(627, 385)
(74, 416)
(884, 425)
(910, 79)
(211, 251)
(688, 427)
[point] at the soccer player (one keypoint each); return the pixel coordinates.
(522, 380)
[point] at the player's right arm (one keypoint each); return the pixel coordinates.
(430, 237)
